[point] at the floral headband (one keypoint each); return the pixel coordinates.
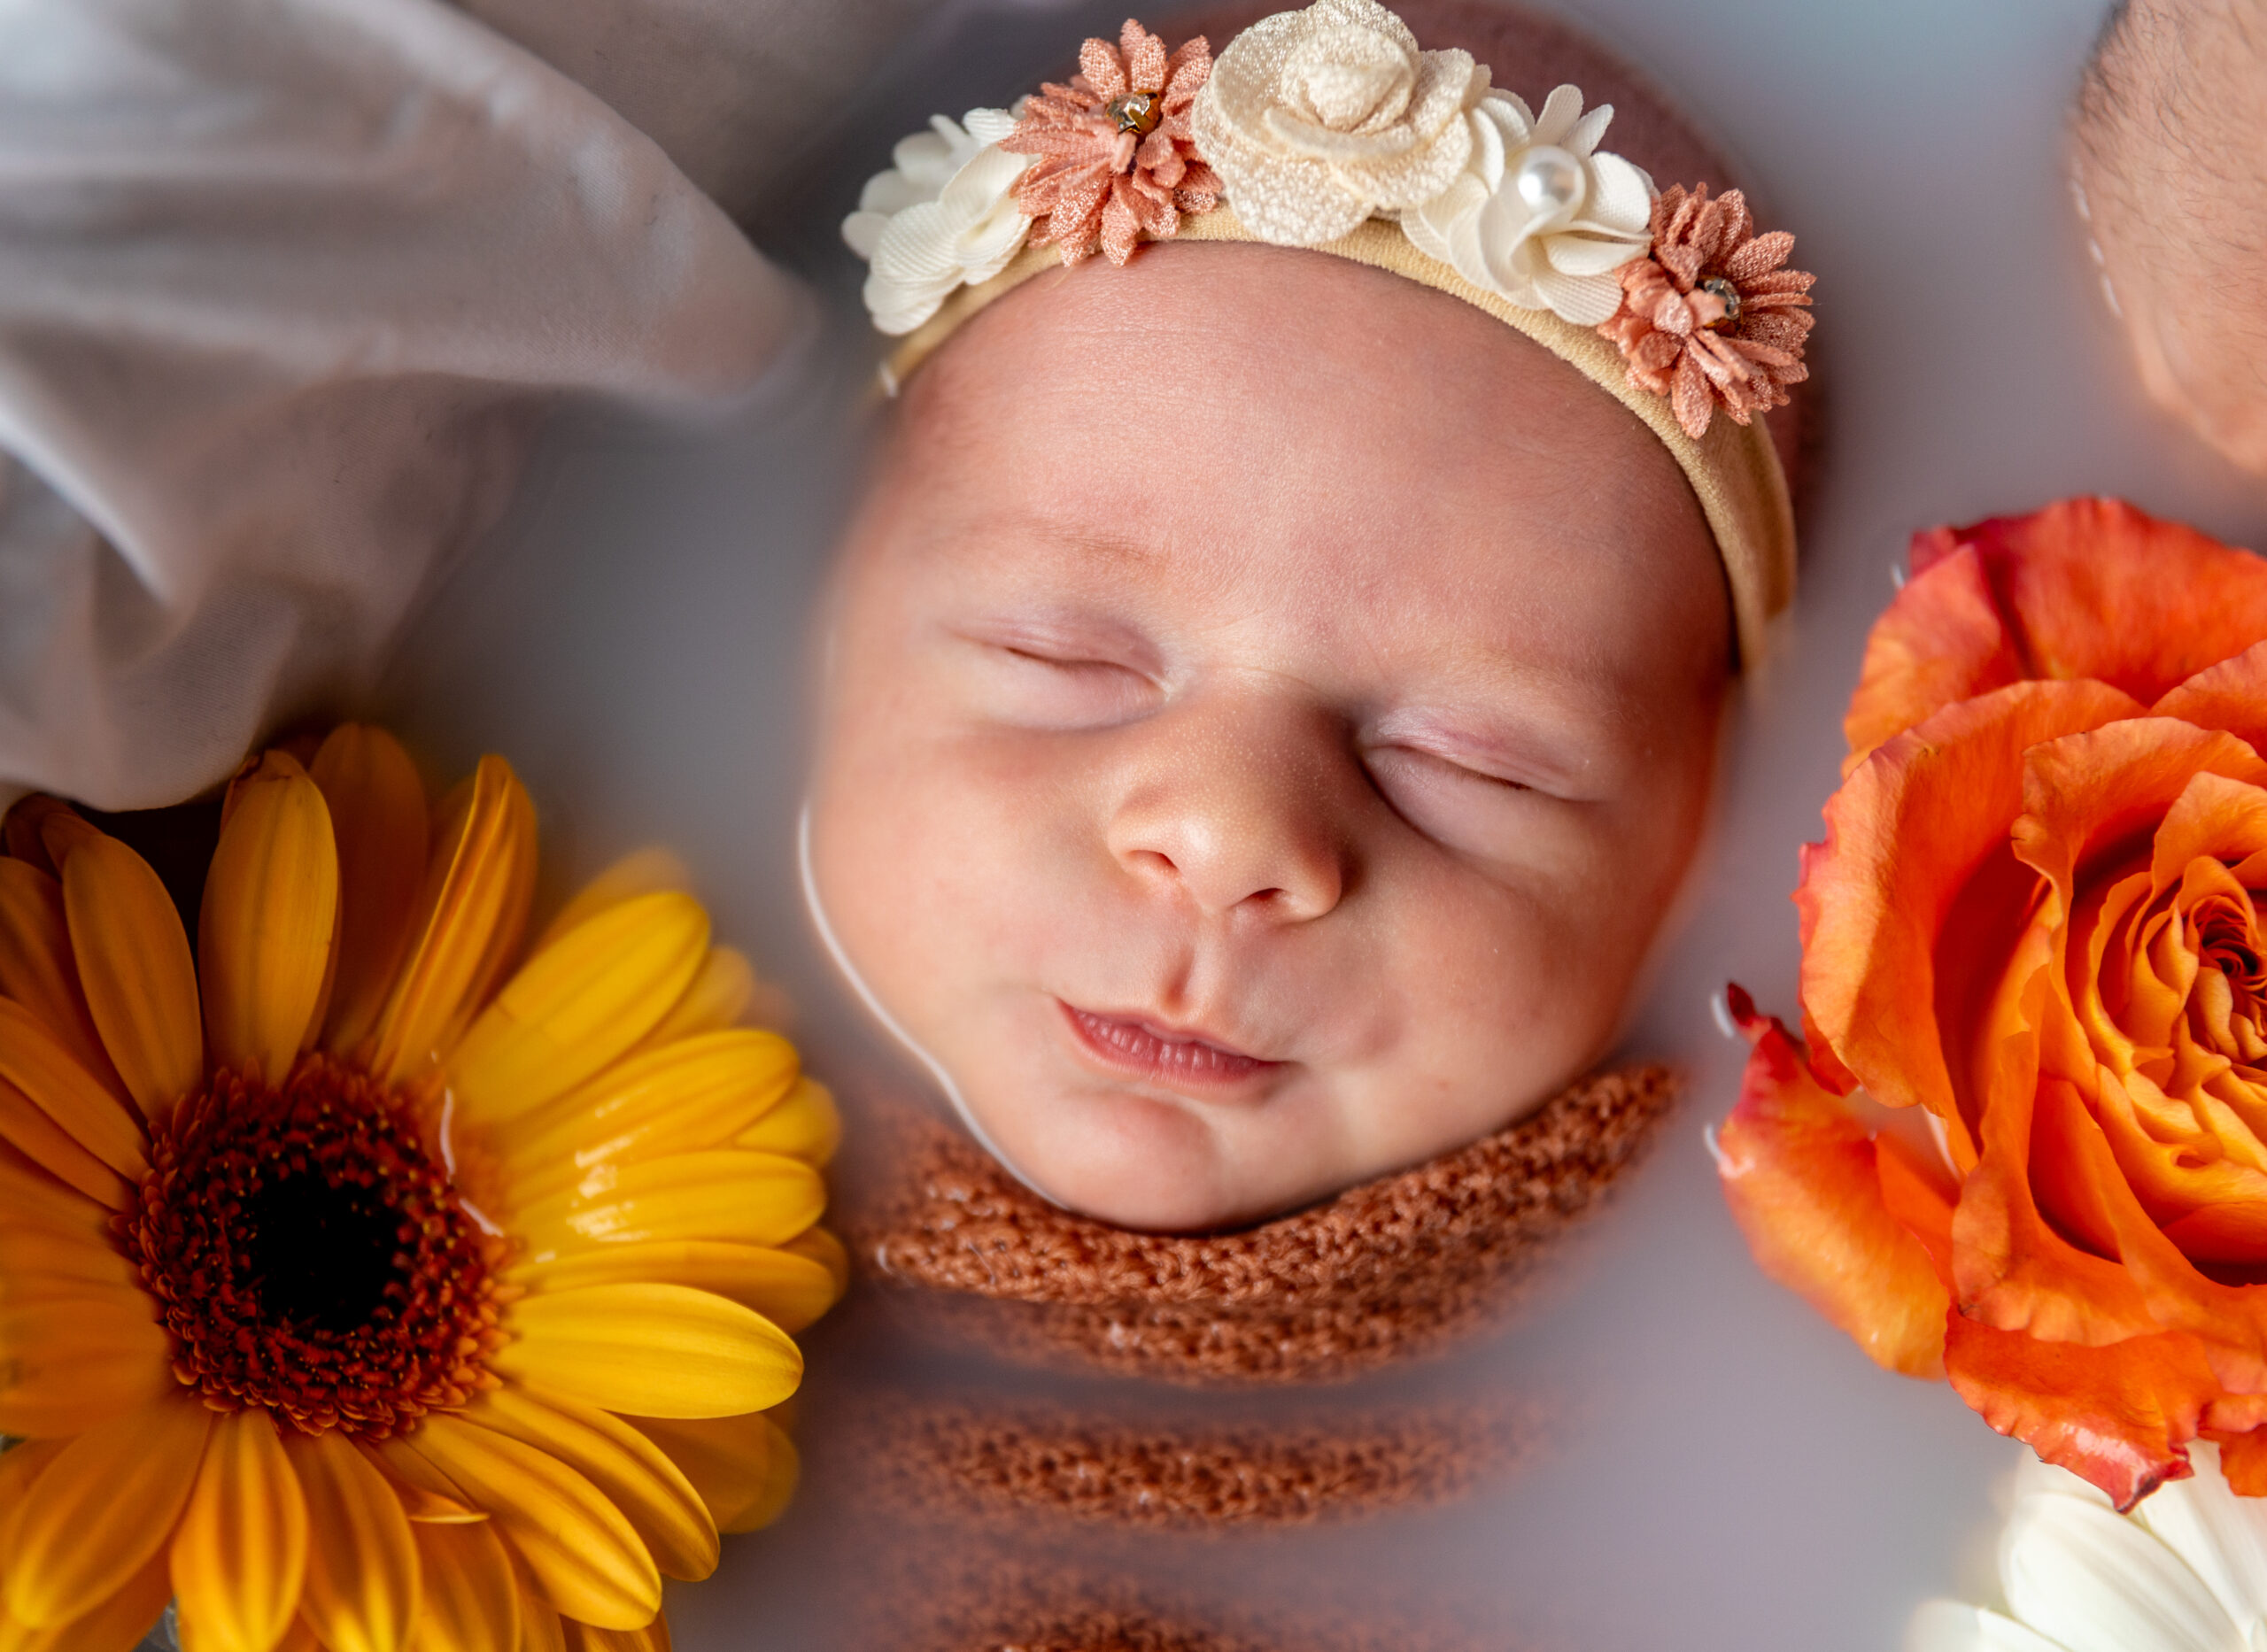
(1329, 128)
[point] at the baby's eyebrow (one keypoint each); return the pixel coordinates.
(1051, 531)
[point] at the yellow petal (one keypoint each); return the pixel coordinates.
(781, 1471)
(582, 1552)
(627, 1467)
(804, 1126)
(719, 996)
(37, 971)
(43, 1070)
(39, 1260)
(728, 1459)
(472, 1597)
(541, 1629)
(71, 1363)
(29, 1195)
(21, 1464)
(789, 1290)
(659, 1350)
(135, 965)
(362, 1577)
(654, 1637)
(61, 829)
(425, 1493)
(823, 1248)
(747, 1198)
(104, 1507)
(116, 1625)
(578, 1004)
(271, 909)
(474, 904)
(641, 872)
(240, 1555)
(378, 819)
(56, 1151)
(681, 1097)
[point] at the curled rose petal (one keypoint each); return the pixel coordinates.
(2085, 588)
(1800, 1175)
(1906, 837)
(2120, 1416)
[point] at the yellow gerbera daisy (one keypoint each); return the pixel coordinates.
(356, 1290)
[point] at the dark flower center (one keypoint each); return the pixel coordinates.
(324, 1257)
(309, 1254)
(1137, 113)
(1727, 293)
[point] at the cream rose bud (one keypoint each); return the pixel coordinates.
(944, 214)
(1540, 215)
(1318, 119)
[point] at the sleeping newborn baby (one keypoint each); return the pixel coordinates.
(1271, 698)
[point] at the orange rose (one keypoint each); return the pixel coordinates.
(2035, 917)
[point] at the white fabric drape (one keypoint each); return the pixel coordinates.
(283, 284)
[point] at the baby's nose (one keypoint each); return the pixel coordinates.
(1233, 806)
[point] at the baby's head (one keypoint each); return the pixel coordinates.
(1270, 705)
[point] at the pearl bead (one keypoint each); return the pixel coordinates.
(1550, 180)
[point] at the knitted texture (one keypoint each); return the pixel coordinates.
(956, 1462)
(1393, 1266)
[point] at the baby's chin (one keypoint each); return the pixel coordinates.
(1144, 1161)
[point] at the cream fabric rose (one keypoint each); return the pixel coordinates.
(944, 215)
(1318, 119)
(1540, 215)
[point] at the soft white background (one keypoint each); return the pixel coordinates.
(1729, 1474)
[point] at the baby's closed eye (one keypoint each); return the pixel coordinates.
(1034, 677)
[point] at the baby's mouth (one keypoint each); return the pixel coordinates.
(1168, 1055)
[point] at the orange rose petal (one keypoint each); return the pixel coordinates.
(2228, 1321)
(2012, 1269)
(1942, 641)
(2094, 588)
(2090, 793)
(2119, 1416)
(2243, 1460)
(1800, 1176)
(2231, 695)
(2216, 819)
(1920, 1193)
(1906, 835)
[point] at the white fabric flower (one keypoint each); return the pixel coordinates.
(2185, 1572)
(1540, 215)
(944, 215)
(1317, 120)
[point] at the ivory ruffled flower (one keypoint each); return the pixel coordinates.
(2036, 918)
(1319, 119)
(1117, 161)
(1540, 215)
(2186, 1570)
(1710, 319)
(359, 1289)
(944, 216)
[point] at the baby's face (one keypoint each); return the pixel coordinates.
(1269, 707)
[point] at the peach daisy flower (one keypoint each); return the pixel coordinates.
(359, 1290)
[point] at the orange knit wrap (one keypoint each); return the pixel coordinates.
(1392, 1267)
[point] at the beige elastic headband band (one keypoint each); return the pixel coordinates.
(1734, 468)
